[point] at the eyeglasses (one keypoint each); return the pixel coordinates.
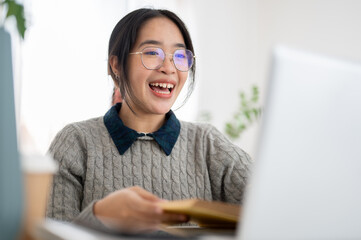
(153, 58)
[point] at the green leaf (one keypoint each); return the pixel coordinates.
(255, 112)
(20, 22)
(255, 94)
(244, 102)
(241, 128)
(243, 97)
(247, 115)
(255, 90)
(17, 10)
(230, 130)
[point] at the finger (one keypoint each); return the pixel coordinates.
(140, 204)
(147, 214)
(148, 219)
(174, 218)
(146, 209)
(145, 194)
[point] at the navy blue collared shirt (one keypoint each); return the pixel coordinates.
(123, 137)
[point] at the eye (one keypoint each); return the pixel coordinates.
(151, 53)
(180, 55)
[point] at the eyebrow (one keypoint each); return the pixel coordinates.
(154, 42)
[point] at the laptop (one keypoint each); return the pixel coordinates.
(306, 181)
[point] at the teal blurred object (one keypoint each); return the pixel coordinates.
(11, 187)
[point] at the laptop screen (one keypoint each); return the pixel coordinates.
(306, 182)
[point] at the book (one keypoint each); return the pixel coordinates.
(208, 214)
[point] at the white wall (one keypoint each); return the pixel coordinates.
(64, 67)
(224, 56)
(64, 63)
(232, 38)
(242, 33)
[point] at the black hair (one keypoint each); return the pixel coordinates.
(124, 36)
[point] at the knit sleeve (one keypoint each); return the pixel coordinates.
(228, 167)
(66, 194)
(67, 189)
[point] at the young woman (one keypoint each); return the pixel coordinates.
(115, 169)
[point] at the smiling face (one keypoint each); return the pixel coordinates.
(156, 90)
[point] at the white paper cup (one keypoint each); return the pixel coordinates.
(38, 174)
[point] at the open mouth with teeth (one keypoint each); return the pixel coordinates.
(162, 88)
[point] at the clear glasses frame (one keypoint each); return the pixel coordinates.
(155, 59)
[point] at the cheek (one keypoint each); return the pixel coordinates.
(137, 82)
(137, 76)
(183, 78)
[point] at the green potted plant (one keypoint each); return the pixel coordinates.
(248, 112)
(16, 10)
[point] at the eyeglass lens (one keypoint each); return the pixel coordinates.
(153, 58)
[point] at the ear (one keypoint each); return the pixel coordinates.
(113, 62)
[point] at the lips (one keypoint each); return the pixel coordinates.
(162, 88)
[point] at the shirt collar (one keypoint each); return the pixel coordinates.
(123, 137)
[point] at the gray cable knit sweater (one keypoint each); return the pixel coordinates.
(203, 164)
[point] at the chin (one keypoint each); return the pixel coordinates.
(159, 109)
(160, 106)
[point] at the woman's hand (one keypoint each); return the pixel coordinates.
(133, 210)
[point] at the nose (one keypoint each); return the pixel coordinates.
(168, 66)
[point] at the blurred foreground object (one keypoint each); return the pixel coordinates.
(11, 197)
(305, 182)
(38, 174)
